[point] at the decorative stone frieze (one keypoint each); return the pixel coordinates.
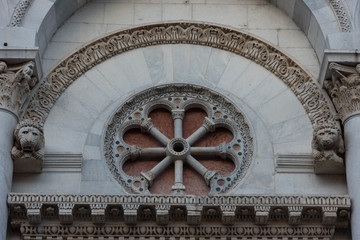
(169, 209)
(179, 231)
(177, 98)
(344, 89)
(318, 108)
(28, 150)
(16, 83)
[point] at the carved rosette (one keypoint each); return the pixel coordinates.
(15, 86)
(344, 89)
(177, 99)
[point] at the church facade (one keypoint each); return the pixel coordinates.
(186, 119)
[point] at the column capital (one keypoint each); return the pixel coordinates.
(344, 89)
(16, 83)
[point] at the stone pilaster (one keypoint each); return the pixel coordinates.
(344, 90)
(16, 83)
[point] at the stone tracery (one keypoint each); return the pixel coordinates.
(178, 99)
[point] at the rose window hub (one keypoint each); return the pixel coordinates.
(179, 150)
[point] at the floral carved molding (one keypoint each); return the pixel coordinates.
(183, 216)
(306, 89)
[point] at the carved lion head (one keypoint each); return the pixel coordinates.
(327, 137)
(29, 136)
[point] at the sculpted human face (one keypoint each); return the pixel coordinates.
(327, 137)
(29, 138)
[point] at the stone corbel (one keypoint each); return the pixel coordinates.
(193, 214)
(130, 213)
(262, 214)
(162, 214)
(98, 213)
(295, 214)
(328, 149)
(28, 149)
(329, 215)
(66, 213)
(344, 91)
(228, 214)
(33, 212)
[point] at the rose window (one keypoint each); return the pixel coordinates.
(178, 139)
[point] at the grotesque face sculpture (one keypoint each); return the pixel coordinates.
(29, 139)
(327, 138)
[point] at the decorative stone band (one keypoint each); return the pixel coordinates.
(313, 99)
(191, 210)
(341, 15)
(19, 13)
(178, 231)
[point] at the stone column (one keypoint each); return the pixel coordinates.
(344, 89)
(15, 86)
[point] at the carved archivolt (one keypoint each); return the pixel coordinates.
(72, 67)
(341, 15)
(19, 13)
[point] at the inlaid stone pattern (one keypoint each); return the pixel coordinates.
(177, 99)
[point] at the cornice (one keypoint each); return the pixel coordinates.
(192, 210)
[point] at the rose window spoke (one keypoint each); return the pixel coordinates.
(179, 151)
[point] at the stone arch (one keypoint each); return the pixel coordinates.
(306, 89)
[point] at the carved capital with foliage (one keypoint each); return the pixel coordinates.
(344, 89)
(16, 83)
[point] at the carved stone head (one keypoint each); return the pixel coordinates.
(29, 136)
(327, 137)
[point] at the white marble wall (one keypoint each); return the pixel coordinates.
(255, 16)
(77, 122)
